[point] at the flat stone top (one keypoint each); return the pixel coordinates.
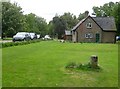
(94, 56)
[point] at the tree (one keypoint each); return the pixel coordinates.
(51, 29)
(70, 20)
(116, 14)
(31, 23)
(59, 26)
(12, 19)
(61, 23)
(41, 25)
(83, 15)
(105, 10)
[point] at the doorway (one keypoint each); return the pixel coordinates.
(97, 37)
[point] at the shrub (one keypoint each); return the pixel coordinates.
(71, 65)
(88, 66)
(9, 44)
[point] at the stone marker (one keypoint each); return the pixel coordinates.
(94, 61)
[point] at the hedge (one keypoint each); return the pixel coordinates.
(9, 44)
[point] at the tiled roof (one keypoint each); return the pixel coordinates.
(106, 23)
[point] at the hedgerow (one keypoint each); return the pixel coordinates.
(9, 44)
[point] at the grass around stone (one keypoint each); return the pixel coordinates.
(43, 64)
(80, 66)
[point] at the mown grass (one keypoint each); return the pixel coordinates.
(8, 38)
(43, 65)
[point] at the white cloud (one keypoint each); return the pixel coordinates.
(48, 8)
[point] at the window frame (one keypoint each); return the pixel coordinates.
(89, 25)
(89, 35)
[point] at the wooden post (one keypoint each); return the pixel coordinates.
(94, 61)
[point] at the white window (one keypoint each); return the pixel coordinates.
(89, 35)
(89, 25)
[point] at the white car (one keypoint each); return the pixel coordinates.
(38, 36)
(47, 37)
(33, 35)
(21, 36)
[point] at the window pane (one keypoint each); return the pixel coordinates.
(89, 25)
(89, 35)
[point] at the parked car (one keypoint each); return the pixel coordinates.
(47, 37)
(117, 38)
(38, 36)
(21, 36)
(33, 35)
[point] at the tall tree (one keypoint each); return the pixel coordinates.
(105, 10)
(12, 19)
(70, 20)
(61, 23)
(41, 25)
(51, 29)
(81, 16)
(31, 23)
(116, 13)
(59, 26)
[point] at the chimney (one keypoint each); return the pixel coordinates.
(86, 13)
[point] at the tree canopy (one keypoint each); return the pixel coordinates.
(14, 21)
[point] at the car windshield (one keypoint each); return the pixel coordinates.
(21, 34)
(32, 34)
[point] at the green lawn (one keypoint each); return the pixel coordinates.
(8, 38)
(42, 65)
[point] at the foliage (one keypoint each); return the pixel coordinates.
(82, 15)
(36, 24)
(73, 65)
(109, 9)
(42, 26)
(51, 29)
(59, 26)
(61, 23)
(9, 44)
(12, 19)
(70, 20)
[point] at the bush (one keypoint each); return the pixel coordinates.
(9, 44)
(88, 66)
(71, 65)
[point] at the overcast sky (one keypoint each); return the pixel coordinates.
(48, 8)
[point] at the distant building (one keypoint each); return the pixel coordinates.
(68, 35)
(94, 29)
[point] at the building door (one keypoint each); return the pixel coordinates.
(97, 37)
